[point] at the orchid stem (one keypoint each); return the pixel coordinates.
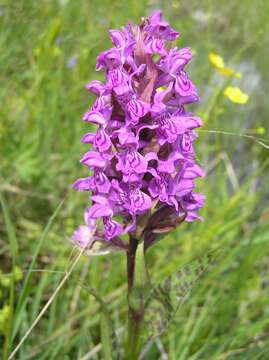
(138, 284)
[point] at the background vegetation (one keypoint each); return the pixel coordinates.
(48, 51)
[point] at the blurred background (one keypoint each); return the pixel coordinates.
(48, 52)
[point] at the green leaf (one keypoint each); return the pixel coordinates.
(141, 284)
(165, 299)
(141, 278)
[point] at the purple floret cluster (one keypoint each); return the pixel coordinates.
(141, 157)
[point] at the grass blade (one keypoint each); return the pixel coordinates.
(47, 305)
(14, 250)
(106, 334)
(10, 229)
(105, 324)
(27, 282)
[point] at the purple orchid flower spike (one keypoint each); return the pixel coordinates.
(141, 157)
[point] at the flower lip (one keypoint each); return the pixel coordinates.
(159, 28)
(109, 59)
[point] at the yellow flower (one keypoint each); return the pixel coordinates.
(230, 72)
(218, 62)
(236, 95)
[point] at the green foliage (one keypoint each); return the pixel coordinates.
(48, 52)
(165, 299)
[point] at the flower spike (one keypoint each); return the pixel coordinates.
(141, 157)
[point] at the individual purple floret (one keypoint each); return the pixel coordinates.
(141, 158)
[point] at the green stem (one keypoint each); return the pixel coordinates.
(137, 288)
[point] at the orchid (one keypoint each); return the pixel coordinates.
(141, 158)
